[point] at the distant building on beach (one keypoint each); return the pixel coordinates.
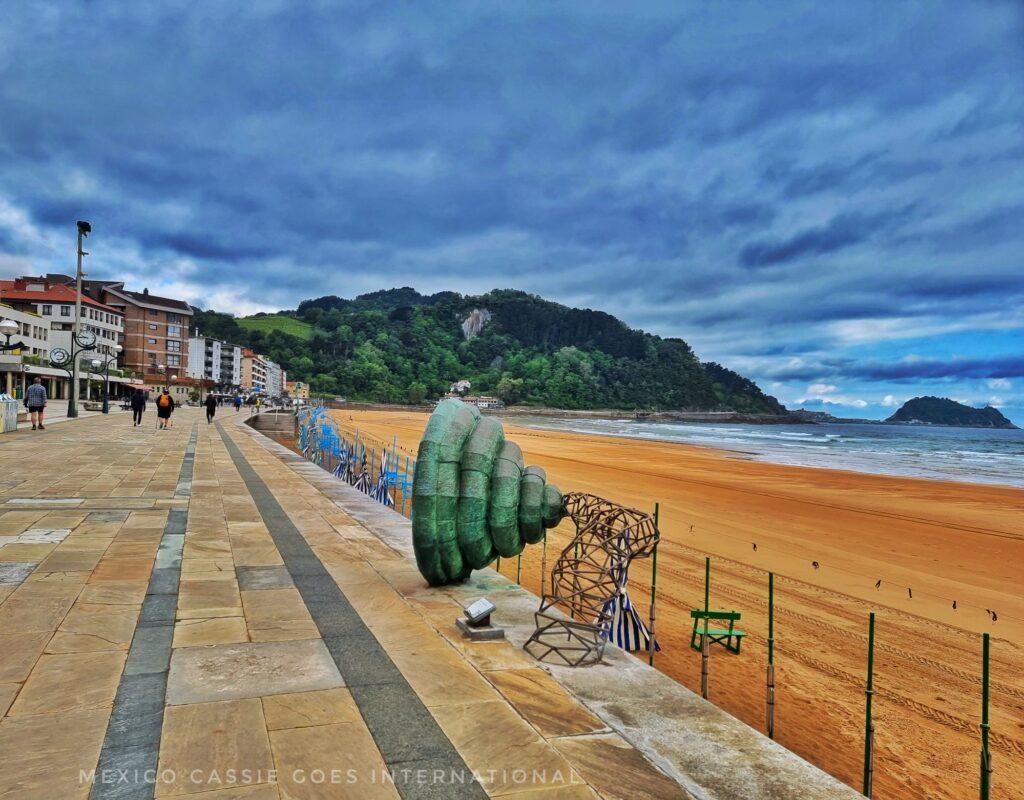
(297, 390)
(480, 401)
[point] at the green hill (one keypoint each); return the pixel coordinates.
(266, 323)
(397, 345)
(943, 411)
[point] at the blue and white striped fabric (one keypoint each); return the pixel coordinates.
(361, 481)
(380, 491)
(627, 630)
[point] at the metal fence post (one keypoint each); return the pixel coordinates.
(543, 562)
(705, 655)
(770, 687)
(707, 583)
(654, 589)
(869, 728)
(986, 756)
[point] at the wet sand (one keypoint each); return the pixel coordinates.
(928, 542)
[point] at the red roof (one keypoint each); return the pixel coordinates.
(52, 293)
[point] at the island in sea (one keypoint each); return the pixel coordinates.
(943, 411)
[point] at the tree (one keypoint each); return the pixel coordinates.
(511, 390)
(417, 393)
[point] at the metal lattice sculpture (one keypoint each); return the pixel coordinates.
(590, 572)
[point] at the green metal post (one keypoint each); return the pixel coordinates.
(986, 756)
(869, 729)
(707, 583)
(543, 563)
(654, 589)
(770, 686)
(575, 576)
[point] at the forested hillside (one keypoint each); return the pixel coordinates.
(400, 346)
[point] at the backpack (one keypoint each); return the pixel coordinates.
(164, 401)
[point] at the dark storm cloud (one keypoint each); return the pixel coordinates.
(738, 176)
(905, 370)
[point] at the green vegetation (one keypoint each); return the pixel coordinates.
(400, 346)
(943, 411)
(266, 323)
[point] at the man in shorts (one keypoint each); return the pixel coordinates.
(35, 402)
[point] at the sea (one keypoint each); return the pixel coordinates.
(977, 455)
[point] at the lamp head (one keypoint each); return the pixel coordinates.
(84, 227)
(8, 327)
(96, 363)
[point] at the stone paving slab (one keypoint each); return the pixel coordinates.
(237, 671)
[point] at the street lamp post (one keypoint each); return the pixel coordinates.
(8, 328)
(168, 377)
(84, 229)
(107, 361)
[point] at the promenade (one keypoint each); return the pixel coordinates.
(195, 612)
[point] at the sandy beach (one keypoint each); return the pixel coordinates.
(930, 543)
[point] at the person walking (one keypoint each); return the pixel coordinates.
(35, 402)
(138, 406)
(238, 402)
(164, 409)
(211, 408)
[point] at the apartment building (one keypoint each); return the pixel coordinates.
(54, 301)
(15, 370)
(155, 329)
(276, 379)
(215, 361)
(254, 371)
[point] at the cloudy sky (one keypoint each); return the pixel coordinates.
(827, 197)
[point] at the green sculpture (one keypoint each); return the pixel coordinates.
(473, 497)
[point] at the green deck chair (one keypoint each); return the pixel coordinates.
(729, 637)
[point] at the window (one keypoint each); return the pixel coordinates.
(150, 341)
(47, 310)
(152, 326)
(174, 361)
(173, 346)
(173, 330)
(65, 311)
(174, 318)
(153, 312)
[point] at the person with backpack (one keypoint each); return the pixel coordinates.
(211, 408)
(35, 402)
(138, 406)
(164, 408)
